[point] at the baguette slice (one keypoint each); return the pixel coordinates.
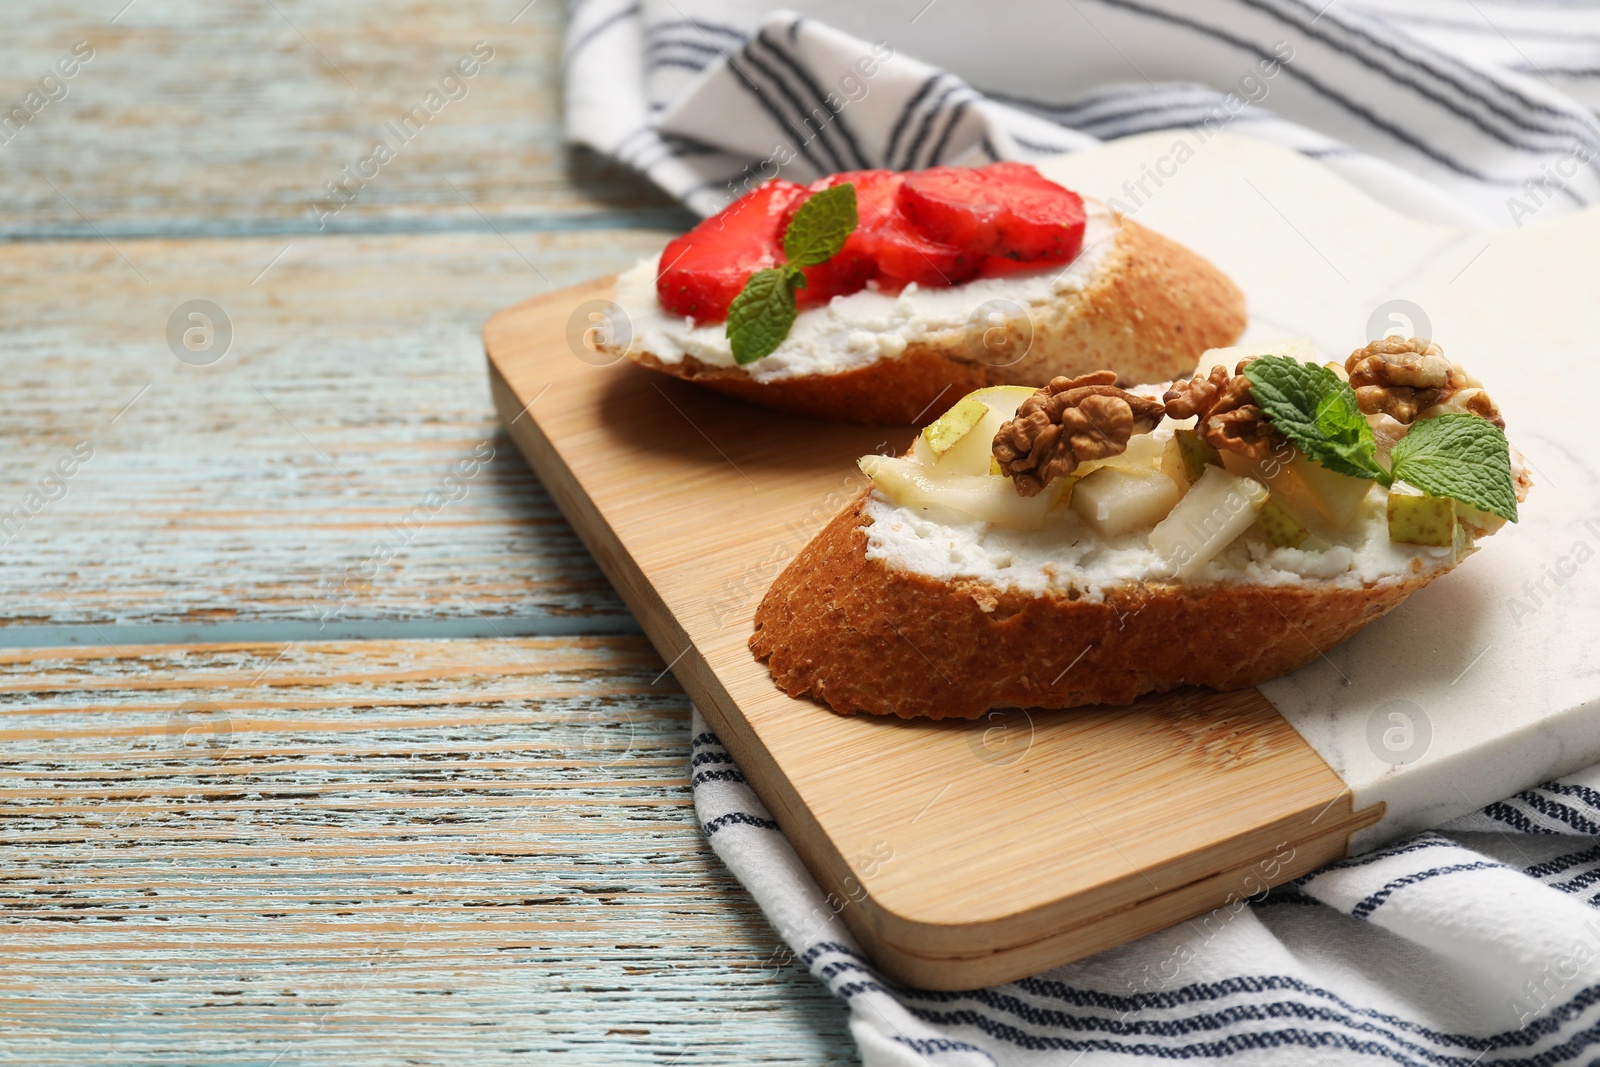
(1148, 311)
(850, 628)
(862, 636)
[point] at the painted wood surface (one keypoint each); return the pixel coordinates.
(265, 488)
(420, 849)
(228, 116)
(976, 852)
(373, 852)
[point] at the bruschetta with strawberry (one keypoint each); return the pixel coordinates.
(869, 295)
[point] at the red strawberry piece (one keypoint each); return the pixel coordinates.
(884, 238)
(1003, 209)
(702, 271)
(850, 268)
(843, 274)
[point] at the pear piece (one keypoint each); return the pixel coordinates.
(1143, 452)
(1485, 522)
(1186, 457)
(1219, 508)
(943, 433)
(1316, 496)
(1281, 527)
(961, 441)
(1005, 399)
(1418, 519)
(1063, 487)
(960, 497)
(1386, 433)
(1299, 349)
(1115, 500)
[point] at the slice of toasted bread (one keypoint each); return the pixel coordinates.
(1148, 311)
(861, 636)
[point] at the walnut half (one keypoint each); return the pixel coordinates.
(1409, 378)
(1229, 417)
(1068, 422)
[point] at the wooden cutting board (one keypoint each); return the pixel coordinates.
(974, 853)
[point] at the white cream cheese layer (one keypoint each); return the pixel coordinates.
(1068, 558)
(853, 331)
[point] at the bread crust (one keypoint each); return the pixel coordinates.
(1151, 310)
(862, 637)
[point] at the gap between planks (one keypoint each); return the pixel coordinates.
(666, 219)
(114, 637)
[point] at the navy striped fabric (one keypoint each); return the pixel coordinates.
(1454, 110)
(1478, 943)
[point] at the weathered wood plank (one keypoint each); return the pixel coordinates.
(268, 488)
(229, 117)
(368, 852)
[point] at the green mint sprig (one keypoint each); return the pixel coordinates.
(760, 316)
(1457, 455)
(1317, 411)
(1460, 456)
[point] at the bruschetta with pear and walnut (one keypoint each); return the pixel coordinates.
(1085, 543)
(869, 295)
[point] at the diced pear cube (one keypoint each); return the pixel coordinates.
(1063, 488)
(954, 424)
(961, 440)
(1115, 500)
(1005, 399)
(1386, 431)
(1186, 457)
(1313, 494)
(1143, 452)
(1219, 508)
(1338, 496)
(1418, 519)
(1281, 527)
(1484, 522)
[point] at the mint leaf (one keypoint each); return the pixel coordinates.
(760, 316)
(1462, 457)
(1317, 411)
(821, 226)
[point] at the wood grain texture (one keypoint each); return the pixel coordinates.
(979, 851)
(367, 852)
(422, 851)
(253, 491)
(228, 118)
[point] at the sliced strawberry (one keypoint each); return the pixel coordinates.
(702, 271)
(850, 268)
(905, 256)
(1003, 209)
(936, 228)
(885, 239)
(845, 273)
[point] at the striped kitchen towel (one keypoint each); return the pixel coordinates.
(1475, 943)
(1456, 111)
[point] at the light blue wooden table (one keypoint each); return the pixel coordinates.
(322, 740)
